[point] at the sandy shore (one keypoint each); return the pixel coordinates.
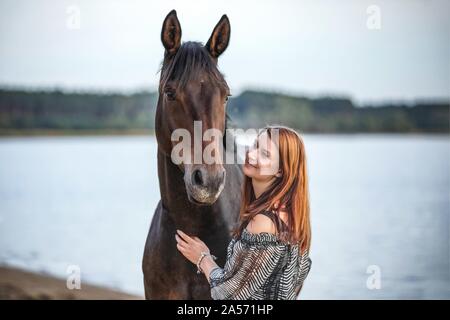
(19, 284)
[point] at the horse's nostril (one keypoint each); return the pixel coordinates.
(197, 178)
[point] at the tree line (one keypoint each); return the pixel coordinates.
(58, 110)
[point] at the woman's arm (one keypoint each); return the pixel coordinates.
(207, 265)
(256, 261)
(251, 266)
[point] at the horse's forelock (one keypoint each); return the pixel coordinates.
(188, 63)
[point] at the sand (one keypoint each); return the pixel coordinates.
(19, 284)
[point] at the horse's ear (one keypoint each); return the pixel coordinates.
(220, 37)
(171, 33)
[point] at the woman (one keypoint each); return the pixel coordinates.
(268, 256)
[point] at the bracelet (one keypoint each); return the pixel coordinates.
(202, 255)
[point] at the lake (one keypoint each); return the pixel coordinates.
(380, 207)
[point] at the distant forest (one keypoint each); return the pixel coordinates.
(22, 110)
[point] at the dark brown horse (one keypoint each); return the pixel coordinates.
(200, 199)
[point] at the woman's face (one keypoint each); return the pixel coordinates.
(262, 159)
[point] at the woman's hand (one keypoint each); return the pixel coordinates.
(190, 247)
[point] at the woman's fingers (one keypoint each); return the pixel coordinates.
(184, 236)
(187, 238)
(180, 241)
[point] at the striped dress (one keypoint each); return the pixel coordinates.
(260, 267)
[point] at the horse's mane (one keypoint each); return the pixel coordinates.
(190, 59)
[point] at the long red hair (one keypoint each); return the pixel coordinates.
(289, 191)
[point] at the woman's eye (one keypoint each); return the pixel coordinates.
(170, 94)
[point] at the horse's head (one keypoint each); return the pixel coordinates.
(192, 89)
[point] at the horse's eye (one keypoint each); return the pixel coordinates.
(170, 94)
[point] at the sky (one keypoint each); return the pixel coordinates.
(370, 51)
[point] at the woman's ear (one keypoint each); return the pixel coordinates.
(279, 174)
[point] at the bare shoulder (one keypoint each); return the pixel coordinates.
(261, 223)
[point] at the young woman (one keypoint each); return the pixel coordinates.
(268, 256)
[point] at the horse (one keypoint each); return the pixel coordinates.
(200, 199)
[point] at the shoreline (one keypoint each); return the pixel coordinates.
(18, 284)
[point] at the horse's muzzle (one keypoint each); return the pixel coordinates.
(204, 183)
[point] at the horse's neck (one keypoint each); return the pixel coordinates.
(178, 210)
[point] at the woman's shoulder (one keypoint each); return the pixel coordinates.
(261, 230)
(261, 223)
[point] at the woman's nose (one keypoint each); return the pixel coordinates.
(252, 156)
